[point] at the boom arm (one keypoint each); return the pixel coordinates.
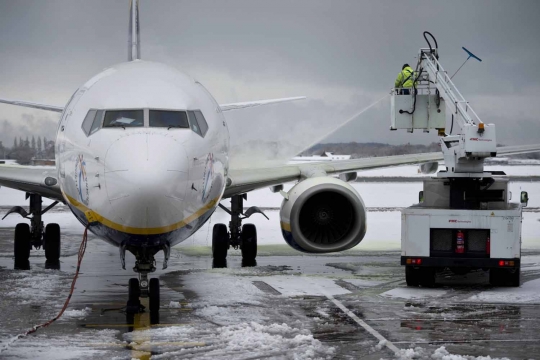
(465, 152)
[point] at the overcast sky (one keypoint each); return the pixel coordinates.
(343, 55)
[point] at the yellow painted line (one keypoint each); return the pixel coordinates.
(129, 325)
(138, 347)
(93, 216)
(285, 226)
(141, 322)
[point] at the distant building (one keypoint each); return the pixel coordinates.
(325, 156)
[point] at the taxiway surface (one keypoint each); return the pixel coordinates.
(287, 307)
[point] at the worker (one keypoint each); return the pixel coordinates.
(405, 80)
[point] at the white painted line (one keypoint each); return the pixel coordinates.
(363, 324)
(467, 341)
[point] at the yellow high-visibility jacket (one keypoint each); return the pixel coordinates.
(405, 78)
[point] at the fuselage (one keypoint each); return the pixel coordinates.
(136, 162)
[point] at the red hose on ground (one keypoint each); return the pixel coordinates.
(82, 249)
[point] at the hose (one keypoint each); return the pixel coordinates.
(429, 44)
(82, 249)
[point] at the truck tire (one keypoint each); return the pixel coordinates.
(496, 277)
(513, 277)
(427, 277)
(411, 276)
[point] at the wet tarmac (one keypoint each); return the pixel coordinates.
(286, 307)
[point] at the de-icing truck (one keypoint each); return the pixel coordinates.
(464, 219)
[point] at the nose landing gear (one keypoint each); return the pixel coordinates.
(239, 236)
(142, 287)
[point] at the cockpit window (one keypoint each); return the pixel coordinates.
(168, 119)
(123, 118)
(96, 125)
(198, 122)
(88, 120)
(202, 122)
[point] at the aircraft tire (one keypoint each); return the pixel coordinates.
(220, 242)
(153, 295)
(52, 242)
(21, 247)
(134, 291)
(249, 242)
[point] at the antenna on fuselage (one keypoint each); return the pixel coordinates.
(134, 41)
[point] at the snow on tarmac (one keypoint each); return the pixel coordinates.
(527, 293)
(229, 342)
(414, 293)
(439, 354)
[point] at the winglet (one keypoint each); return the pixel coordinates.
(134, 37)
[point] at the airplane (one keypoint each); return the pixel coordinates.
(142, 161)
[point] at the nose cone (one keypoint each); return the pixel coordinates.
(146, 179)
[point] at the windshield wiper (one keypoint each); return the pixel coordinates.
(118, 125)
(175, 126)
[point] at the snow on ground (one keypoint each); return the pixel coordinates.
(414, 293)
(76, 314)
(527, 293)
(47, 346)
(229, 342)
(9, 197)
(439, 354)
(37, 285)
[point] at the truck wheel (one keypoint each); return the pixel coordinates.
(496, 277)
(513, 277)
(411, 276)
(427, 277)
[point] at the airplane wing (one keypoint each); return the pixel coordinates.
(242, 105)
(32, 179)
(58, 109)
(243, 180)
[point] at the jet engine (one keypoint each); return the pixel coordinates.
(322, 215)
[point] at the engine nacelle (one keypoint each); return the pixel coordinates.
(322, 215)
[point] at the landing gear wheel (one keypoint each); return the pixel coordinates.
(134, 291)
(153, 292)
(220, 242)
(249, 244)
(411, 276)
(52, 242)
(21, 247)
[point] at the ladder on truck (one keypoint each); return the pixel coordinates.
(425, 108)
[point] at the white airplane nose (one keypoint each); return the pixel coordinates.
(149, 173)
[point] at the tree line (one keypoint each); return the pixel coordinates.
(24, 150)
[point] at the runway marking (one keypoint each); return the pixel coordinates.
(447, 320)
(261, 285)
(465, 341)
(148, 346)
(128, 325)
(363, 324)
